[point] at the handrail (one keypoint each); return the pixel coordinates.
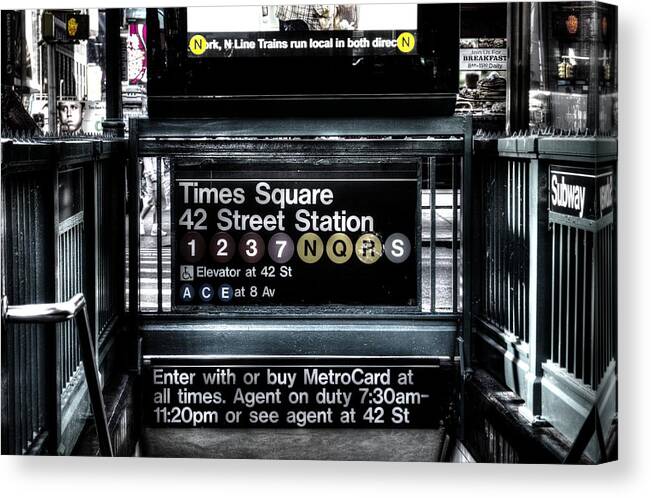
(74, 308)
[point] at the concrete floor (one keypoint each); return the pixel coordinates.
(390, 445)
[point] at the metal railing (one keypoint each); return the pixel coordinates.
(64, 312)
(63, 227)
(23, 347)
(505, 236)
(545, 306)
(70, 241)
(582, 332)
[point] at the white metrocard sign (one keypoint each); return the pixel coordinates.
(482, 59)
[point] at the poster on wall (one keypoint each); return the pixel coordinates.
(482, 54)
(137, 53)
(482, 76)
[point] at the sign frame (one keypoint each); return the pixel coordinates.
(441, 383)
(321, 161)
(589, 184)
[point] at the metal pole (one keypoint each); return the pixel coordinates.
(518, 36)
(51, 88)
(466, 243)
(88, 354)
(113, 124)
(465, 337)
(539, 283)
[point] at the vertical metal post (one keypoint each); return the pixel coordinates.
(51, 337)
(456, 250)
(594, 106)
(614, 260)
(159, 232)
(119, 228)
(432, 232)
(467, 238)
(465, 350)
(51, 88)
(539, 290)
(5, 251)
(89, 173)
(133, 209)
(88, 354)
(113, 123)
(477, 252)
(518, 36)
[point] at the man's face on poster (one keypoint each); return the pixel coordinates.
(70, 115)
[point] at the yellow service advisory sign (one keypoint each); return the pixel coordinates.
(198, 44)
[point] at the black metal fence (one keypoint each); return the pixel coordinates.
(583, 321)
(505, 240)
(545, 305)
(63, 223)
(23, 345)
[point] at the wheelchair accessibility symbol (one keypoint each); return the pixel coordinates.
(187, 273)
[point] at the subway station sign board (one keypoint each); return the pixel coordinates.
(281, 234)
(581, 192)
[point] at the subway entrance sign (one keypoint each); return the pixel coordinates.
(270, 234)
(585, 193)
